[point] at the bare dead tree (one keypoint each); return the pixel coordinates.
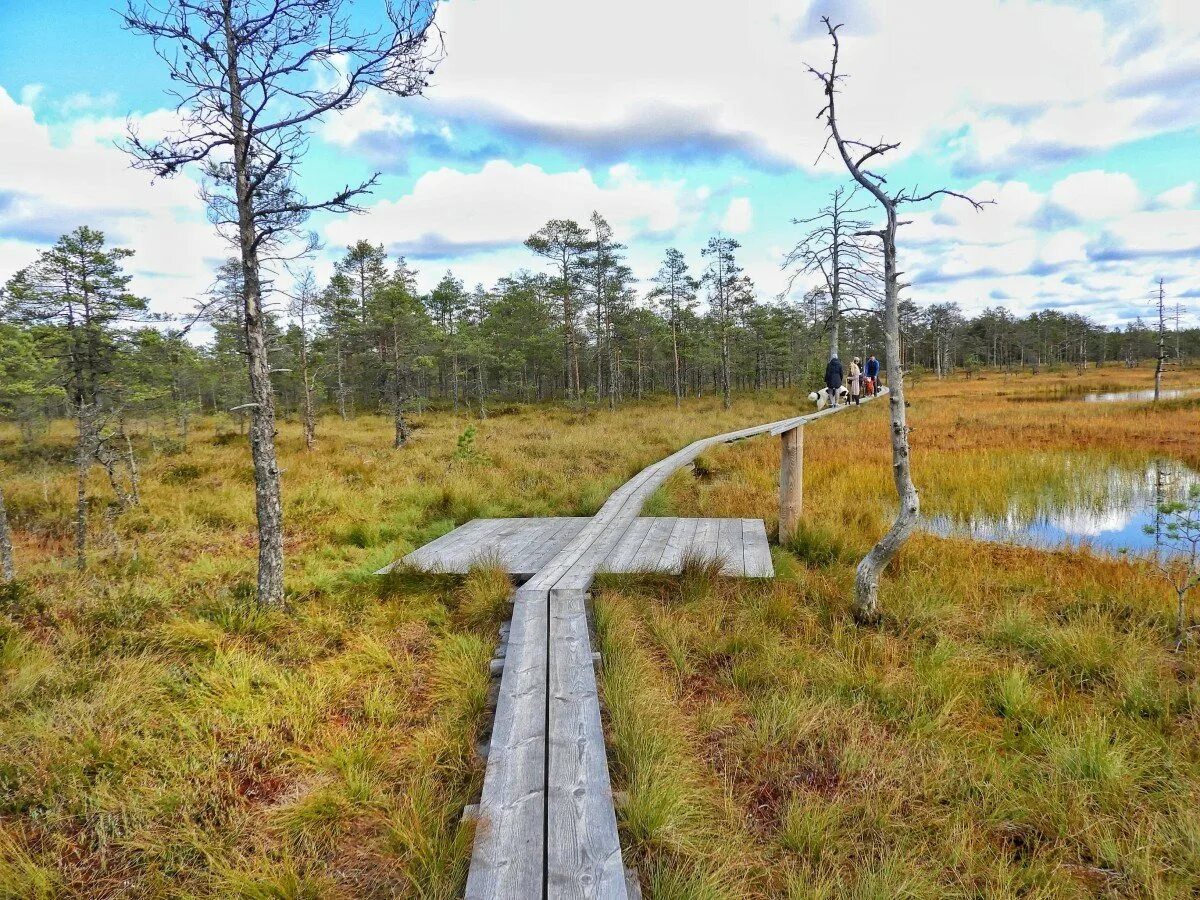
(7, 570)
(1161, 355)
(1178, 345)
(848, 264)
(253, 76)
(855, 155)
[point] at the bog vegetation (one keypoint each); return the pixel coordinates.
(1019, 725)
(177, 718)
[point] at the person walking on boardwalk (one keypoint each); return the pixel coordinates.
(872, 372)
(855, 381)
(833, 379)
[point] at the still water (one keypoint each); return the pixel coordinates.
(1123, 396)
(1105, 508)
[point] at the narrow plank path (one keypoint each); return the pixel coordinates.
(547, 827)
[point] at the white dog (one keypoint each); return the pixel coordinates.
(821, 397)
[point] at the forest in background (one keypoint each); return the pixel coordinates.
(583, 329)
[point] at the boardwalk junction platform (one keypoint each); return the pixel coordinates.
(546, 823)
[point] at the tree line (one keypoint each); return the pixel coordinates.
(78, 343)
(368, 341)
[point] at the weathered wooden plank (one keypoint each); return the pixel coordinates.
(515, 551)
(570, 554)
(489, 548)
(539, 541)
(756, 549)
(583, 853)
(580, 575)
(729, 547)
(651, 550)
(507, 859)
(426, 556)
(681, 538)
(704, 543)
(451, 551)
(539, 554)
(778, 428)
(517, 542)
(627, 546)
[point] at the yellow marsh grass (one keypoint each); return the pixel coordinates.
(1019, 726)
(161, 736)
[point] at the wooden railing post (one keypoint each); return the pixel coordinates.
(791, 482)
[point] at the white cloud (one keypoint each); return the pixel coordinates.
(1046, 78)
(1096, 194)
(49, 188)
(739, 216)
(1019, 252)
(1064, 247)
(451, 212)
(1179, 197)
(371, 115)
(1158, 232)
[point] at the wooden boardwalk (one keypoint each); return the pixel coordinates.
(522, 547)
(546, 826)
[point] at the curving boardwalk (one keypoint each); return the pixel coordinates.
(546, 823)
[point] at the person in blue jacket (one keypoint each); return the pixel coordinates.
(833, 378)
(871, 370)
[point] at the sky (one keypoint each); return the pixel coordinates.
(676, 120)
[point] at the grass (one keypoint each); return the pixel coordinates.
(160, 735)
(1017, 727)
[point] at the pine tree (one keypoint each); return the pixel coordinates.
(675, 289)
(447, 304)
(27, 378)
(79, 288)
(563, 242)
(729, 293)
(396, 320)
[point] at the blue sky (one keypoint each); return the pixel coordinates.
(674, 120)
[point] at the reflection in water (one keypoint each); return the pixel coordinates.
(1122, 396)
(1111, 511)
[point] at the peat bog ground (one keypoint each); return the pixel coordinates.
(1018, 726)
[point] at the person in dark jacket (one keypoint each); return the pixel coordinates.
(871, 370)
(833, 379)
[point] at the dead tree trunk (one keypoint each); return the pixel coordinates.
(1162, 352)
(835, 292)
(267, 490)
(301, 307)
(83, 462)
(675, 354)
(866, 577)
(7, 570)
(135, 481)
(855, 154)
(341, 380)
